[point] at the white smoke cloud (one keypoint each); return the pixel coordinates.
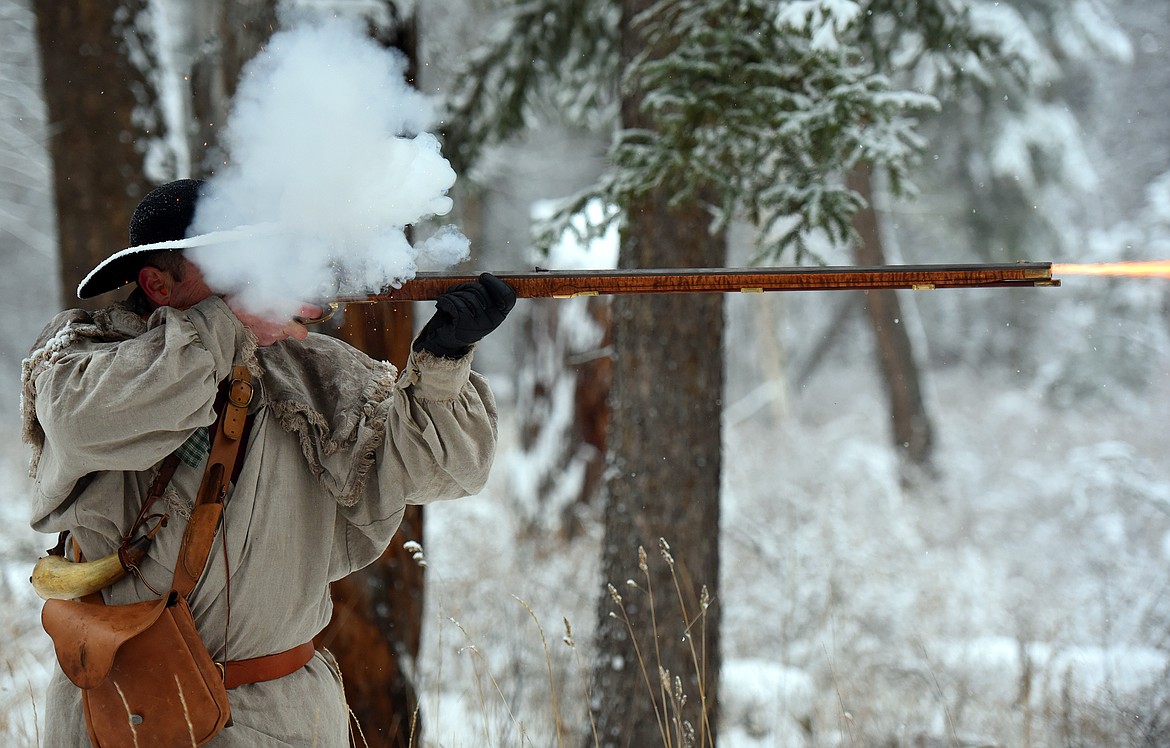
(329, 161)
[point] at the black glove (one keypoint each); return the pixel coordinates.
(464, 314)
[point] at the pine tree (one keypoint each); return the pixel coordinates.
(720, 110)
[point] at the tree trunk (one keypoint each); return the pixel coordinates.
(90, 88)
(561, 401)
(664, 465)
(378, 611)
(912, 431)
(99, 179)
(591, 407)
(240, 30)
(665, 462)
(377, 615)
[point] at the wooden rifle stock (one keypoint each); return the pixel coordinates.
(565, 284)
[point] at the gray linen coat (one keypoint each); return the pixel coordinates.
(339, 445)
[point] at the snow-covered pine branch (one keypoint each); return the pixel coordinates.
(767, 105)
(546, 55)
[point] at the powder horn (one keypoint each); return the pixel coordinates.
(56, 577)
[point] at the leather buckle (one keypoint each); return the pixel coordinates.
(222, 670)
(240, 393)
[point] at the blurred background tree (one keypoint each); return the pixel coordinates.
(781, 116)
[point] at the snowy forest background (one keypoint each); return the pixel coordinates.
(1018, 597)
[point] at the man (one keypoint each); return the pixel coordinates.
(338, 445)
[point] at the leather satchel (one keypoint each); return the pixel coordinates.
(146, 675)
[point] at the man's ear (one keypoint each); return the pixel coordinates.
(156, 284)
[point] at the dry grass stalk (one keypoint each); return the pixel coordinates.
(186, 712)
(129, 714)
(552, 686)
(583, 673)
(613, 594)
(478, 657)
(699, 662)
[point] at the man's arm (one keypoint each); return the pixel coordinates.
(438, 430)
(126, 405)
(442, 428)
(437, 440)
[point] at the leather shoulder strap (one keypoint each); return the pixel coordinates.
(221, 461)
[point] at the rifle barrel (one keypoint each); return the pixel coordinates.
(563, 284)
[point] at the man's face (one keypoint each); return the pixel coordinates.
(191, 290)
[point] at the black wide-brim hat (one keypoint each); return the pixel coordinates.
(160, 222)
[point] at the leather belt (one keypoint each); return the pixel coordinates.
(269, 667)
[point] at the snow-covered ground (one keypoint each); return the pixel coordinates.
(1021, 598)
(1018, 599)
(26, 651)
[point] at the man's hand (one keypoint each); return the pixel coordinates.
(268, 331)
(464, 314)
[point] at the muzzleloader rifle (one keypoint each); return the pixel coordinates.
(568, 284)
(56, 577)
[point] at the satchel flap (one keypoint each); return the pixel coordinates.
(87, 636)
